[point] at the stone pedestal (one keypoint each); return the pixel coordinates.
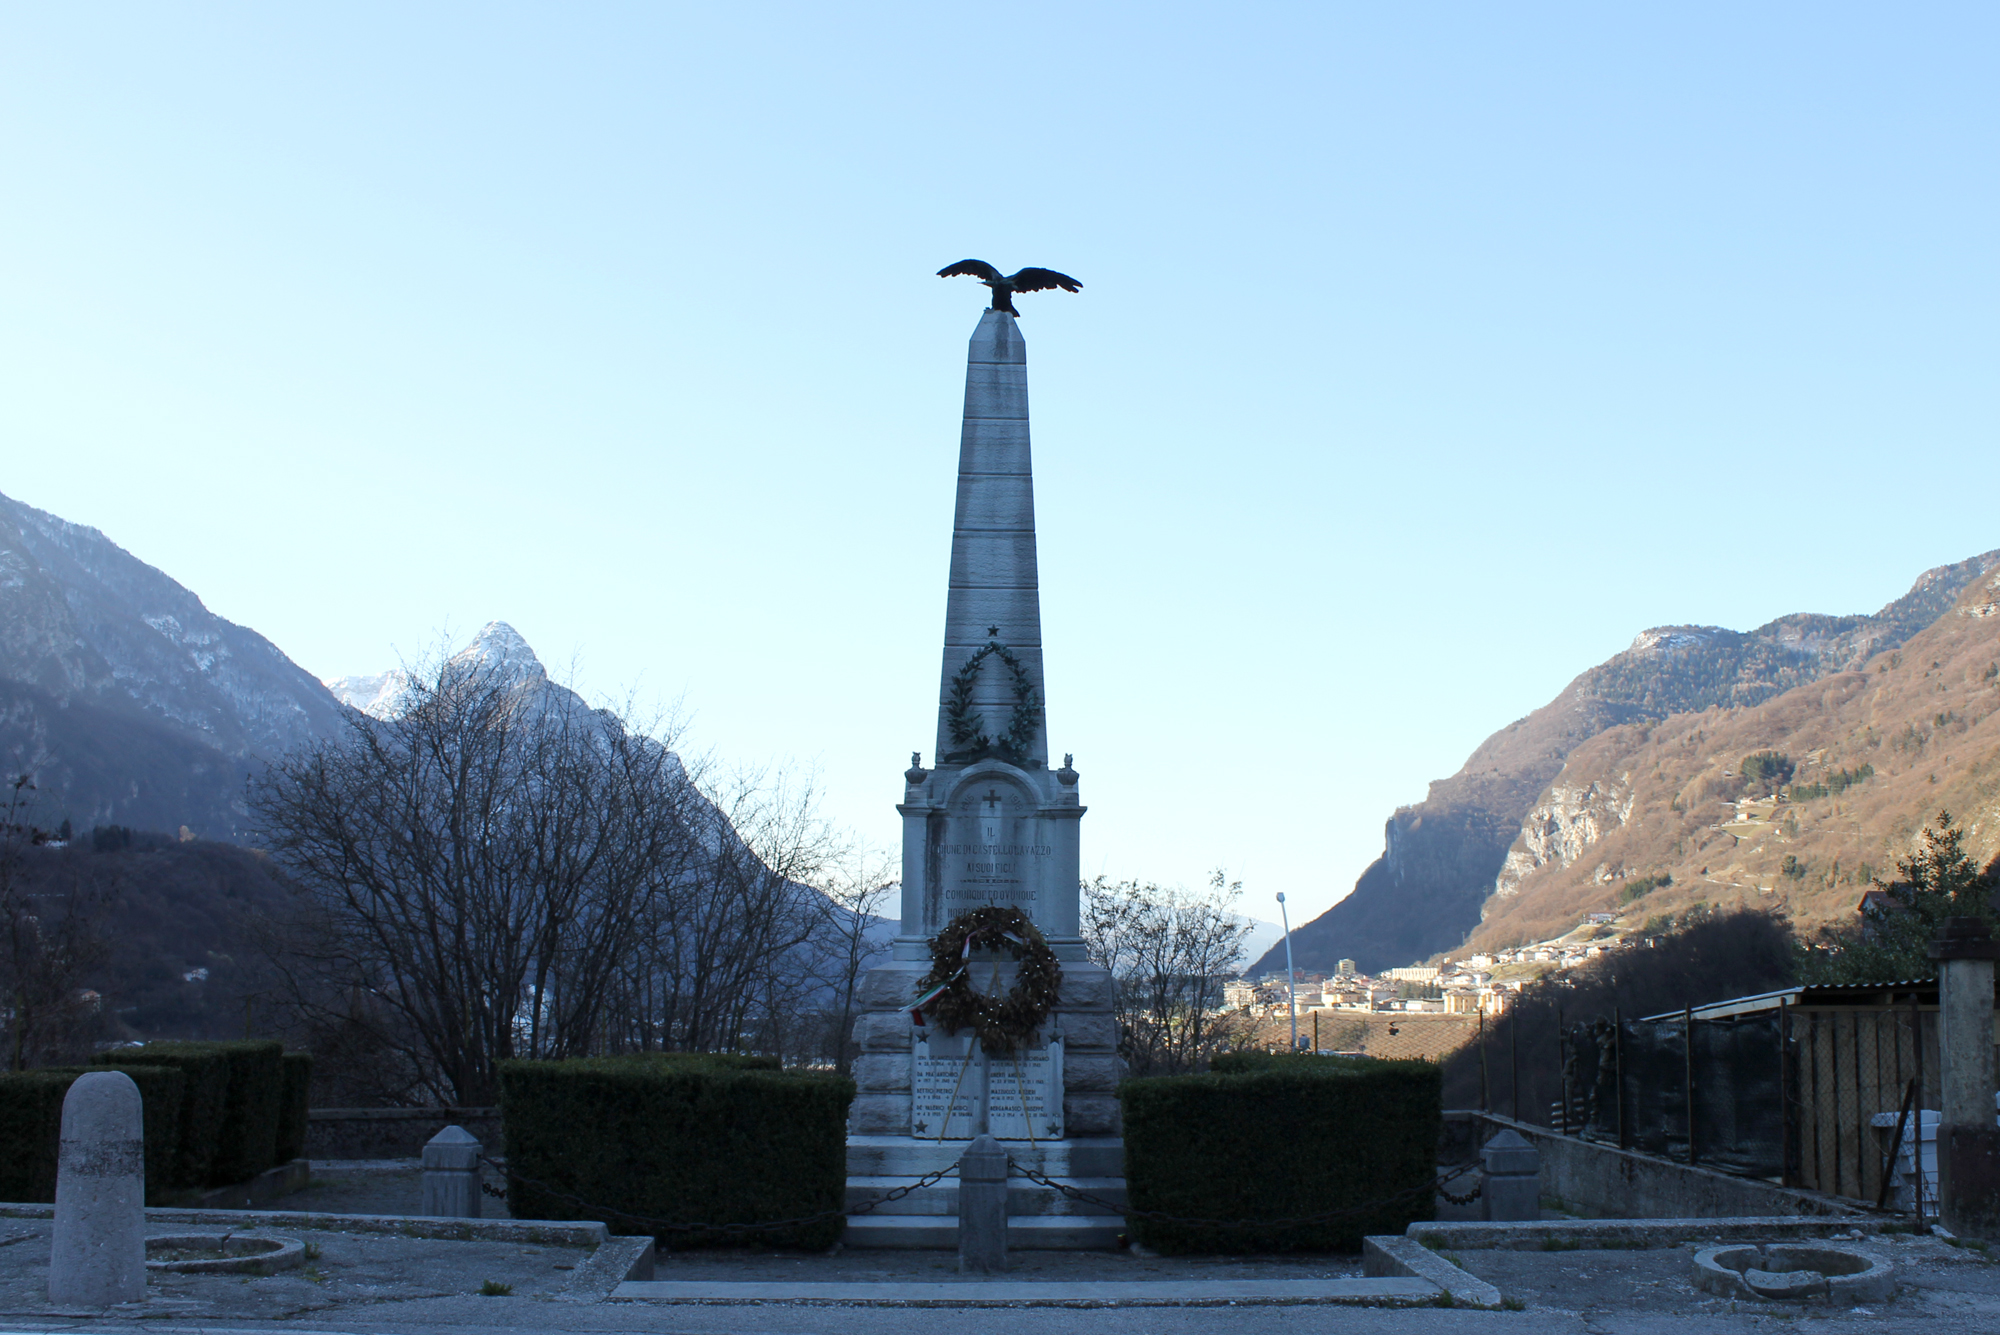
(451, 1175)
(1510, 1185)
(98, 1255)
(1968, 1139)
(982, 1208)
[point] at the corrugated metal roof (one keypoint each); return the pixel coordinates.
(1834, 994)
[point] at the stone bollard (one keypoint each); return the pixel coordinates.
(1968, 1142)
(982, 1208)
(451, 1175)
(98, 1256)
(1511, 1185)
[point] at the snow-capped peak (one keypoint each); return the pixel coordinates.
(498, 646)
(377, 696)
(497, 649)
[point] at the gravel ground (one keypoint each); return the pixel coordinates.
(1957, 1285)
(343, 1270)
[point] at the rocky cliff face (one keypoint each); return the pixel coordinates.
(132, 702)
(1446, 857)
(1562, 826)
(1872, 753)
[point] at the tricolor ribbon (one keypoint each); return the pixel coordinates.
(917, 1006)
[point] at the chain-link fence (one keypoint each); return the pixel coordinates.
(1853, 1073)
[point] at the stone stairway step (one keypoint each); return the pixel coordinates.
(1024, 1232)
(1082, 1156)
(1023, 1197)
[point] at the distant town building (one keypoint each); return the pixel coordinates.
(1415, 974)
(1345, 969)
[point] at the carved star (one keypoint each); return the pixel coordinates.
(923, 1127)
(992, 631)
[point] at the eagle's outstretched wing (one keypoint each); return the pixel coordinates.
(979, 269)
(1041, 280)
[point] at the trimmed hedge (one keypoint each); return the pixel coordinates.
(31, 1127)
(293, 1106)
(229, 1111)
(691, 1138)
(1271, 1136)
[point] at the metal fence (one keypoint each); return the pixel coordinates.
(1709, 1091)
(1822, 1096)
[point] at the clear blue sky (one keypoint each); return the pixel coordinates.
(1425, 355)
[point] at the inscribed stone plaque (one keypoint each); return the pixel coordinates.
(1026, 1091)
(993, 852)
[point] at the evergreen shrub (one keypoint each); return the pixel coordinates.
(1272, 1136)
(31, 1127)
(229, 1112)
(294, 1105)
(689, 1138)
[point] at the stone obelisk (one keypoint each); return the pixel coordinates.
(989, 822)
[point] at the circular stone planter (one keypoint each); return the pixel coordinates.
(223, 1253)
(1780, 1272)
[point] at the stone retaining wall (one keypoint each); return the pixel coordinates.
(1610, 1183)
(393, 1133)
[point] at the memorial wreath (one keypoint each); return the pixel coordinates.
(1004, 1024)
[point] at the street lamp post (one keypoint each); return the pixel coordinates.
(1291, 977)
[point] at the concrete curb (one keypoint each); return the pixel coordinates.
(548, 1232)
(1387, 1254)
(1377, 1292)
(1612, 1234)
(616, 1262)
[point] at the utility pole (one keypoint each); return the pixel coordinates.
(1291, 975)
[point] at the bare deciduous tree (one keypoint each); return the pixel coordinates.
(1169, 952)
(480, 869)
(852, 935)
(54, 937)
(500, 871)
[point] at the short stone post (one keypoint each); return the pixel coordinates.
(982, 1208)
(98, 1256)
(451, 1175)
(1510, 1187)
(1968, 1141)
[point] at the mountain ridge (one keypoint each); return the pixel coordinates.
(1443, 857)
(131, 701)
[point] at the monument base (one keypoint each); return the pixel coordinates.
(1038, 1217)
(910, 1074)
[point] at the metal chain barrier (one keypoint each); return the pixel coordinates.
(1470, 1196)
(677, 1226)
(1158, 1216)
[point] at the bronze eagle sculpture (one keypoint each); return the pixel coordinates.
(1004, 288)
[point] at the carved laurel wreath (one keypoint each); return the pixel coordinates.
(968, 732)
(1003, 1024)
